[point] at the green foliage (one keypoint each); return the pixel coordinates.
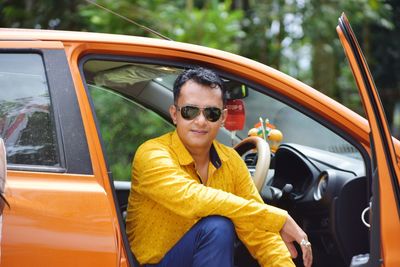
(212, 24)
(44, 14)
(124, 126)
(296, 37)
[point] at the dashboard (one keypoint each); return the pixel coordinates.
(325, 193)
(314, 174)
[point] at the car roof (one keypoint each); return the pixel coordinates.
(18, 34)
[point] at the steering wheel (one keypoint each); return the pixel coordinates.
(263, 154)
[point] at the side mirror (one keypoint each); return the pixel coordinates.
(234, 90)
(3, 175)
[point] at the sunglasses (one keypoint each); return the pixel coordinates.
(190, 112)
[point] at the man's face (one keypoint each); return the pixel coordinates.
(199, 132)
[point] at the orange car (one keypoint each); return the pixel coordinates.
(74, 106)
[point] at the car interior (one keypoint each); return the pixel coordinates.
(316, 173)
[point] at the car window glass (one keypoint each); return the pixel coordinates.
(295, 126)
(26, 123)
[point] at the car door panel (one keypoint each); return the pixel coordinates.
(387, 175)
(59, 215)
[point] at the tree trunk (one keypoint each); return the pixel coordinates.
(323, 58)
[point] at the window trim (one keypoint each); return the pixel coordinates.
(67, 113)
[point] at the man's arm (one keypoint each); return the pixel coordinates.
(160, 178)
(269, 247)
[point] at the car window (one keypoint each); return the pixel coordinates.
(295, 126)
(131, 102)
(26, 120)
(124, 125)
(130, 105)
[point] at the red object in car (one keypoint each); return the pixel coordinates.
(236, 115)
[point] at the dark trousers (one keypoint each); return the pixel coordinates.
(210, 242)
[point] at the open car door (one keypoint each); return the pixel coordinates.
(385, 190)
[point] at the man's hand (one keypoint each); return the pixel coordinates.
(291, 232)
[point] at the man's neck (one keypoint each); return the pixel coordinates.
(201, 160)
(200, 156)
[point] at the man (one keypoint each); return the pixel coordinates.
(191, 195)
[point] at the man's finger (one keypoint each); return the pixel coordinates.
(307, 255)
(292, 249)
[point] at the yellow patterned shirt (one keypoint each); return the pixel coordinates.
(167, 198)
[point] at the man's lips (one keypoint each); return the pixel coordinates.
(199, 131)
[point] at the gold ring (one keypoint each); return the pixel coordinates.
(305, 243)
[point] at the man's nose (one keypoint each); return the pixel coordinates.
(201, 119)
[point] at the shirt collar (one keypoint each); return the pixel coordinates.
(184, 157)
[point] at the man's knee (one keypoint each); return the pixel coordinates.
(221, 228)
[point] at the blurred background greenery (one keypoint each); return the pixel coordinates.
(297, 37)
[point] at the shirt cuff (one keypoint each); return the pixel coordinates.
(275, 218)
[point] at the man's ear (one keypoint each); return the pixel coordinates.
(224, 115)
(173, 113)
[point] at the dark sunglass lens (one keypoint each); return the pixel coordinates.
(212, 114)
(189, 113)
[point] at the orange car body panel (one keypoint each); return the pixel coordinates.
(40, 198)
(385, 155)
(32, 223)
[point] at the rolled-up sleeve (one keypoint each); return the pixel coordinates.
(266, 246)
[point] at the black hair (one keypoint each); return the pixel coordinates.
(201, 76)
